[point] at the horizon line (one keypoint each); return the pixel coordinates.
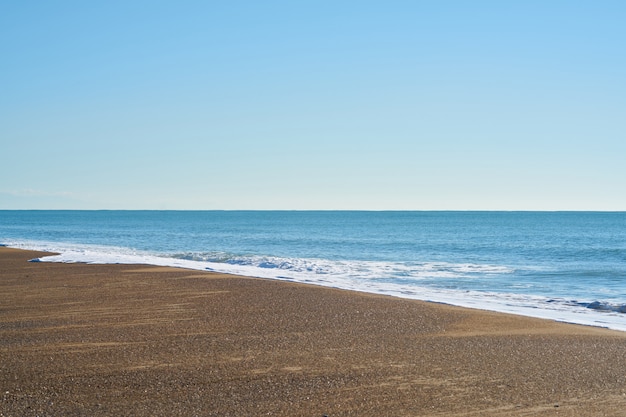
(334, 210)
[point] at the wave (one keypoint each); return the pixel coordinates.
(600, 306)
(350, 268)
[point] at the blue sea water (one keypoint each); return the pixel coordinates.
(567, 266)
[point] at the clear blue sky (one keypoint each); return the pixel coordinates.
(497, 105)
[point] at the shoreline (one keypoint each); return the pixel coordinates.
(128, 339)
(594, 312)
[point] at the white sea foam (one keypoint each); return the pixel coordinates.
(405, 280)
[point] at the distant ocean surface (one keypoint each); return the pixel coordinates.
(566, 266)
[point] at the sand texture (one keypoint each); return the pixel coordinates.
(135, 340)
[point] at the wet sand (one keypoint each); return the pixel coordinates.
(136, 340)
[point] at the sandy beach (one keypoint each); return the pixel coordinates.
(137, 340)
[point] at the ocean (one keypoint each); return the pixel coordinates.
(565, 266)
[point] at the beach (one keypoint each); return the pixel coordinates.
(140, 340)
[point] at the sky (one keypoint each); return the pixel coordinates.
(313, 105)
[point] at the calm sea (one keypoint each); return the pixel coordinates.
(567, 266)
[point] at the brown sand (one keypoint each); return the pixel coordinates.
(132, 340)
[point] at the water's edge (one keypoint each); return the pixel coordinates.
(566, 311)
